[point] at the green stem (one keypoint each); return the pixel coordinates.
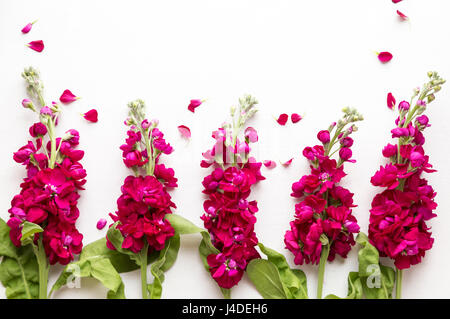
(398, 285)
(321, 275)
(143, 260)
(41, 257)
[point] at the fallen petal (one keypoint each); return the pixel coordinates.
(68, 97)
(184, 131)
(269, 164)
(384, 56)
(401, 15)
(101, 223)
(27, 28)
(390, 101)
(396, 1)
(36, 45)
(282, 119)
(286, 164)
(194, 104)
(91, 116)
(295, 117)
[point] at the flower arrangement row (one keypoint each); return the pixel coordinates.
(145, 231)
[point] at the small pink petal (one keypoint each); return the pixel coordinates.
(184, 131)
(295, 117)
(402, 15)
(91, 116)
(101, 223)
(68, 97)
(36, 45)
(270, 164)
(27, 28)
(384, 56)
(396, 1)
(390, 101)
(286, 164)
(282, 119)
(194, 104)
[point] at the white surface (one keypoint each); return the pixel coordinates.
(310, 57)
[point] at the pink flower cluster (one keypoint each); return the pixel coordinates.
(229, 214)
(399, 214)
(324, 215)
(145, 200)
(49, 196)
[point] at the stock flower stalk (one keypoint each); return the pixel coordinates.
(324, 225)
(398, 217)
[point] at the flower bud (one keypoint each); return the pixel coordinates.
(28, 104)
(324, 136)
(345, 153)
(430, 98)
(403, 106)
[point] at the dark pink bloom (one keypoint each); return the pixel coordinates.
(390, 101)
(38, 129)
(67, 96)
(184, 131)
(36, 45)
(389, 150)
(403, 105)
(324, 136)
(295, 117)
(194, 104)
(282, 119)
(91, 116)
(345, 153)
(385, 56)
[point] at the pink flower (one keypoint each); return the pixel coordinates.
(91, 116)
(282, 119)
(390, 101)
(389, 150)
(101, 223)
(67, 96)
(386, 177)
(194, 104)
(46, 111)
(295, 118)
(345, 153)
(251, 135)
(38, 129)
(403, 105)
(384, 57)
(36, 45)
(184, 131)
(324, 136)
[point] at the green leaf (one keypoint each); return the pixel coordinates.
(206, 248)
(355, 290)
(293, 280)
(19, 272)
(28, 231)
(166, 259)
(182, 226)
(377, 280)
(266, 278)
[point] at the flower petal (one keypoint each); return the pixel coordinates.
(184, 131)
(282, 119)
(101, 223)
(296, 117)
(27, 28)
(91, 116)
(269, 164)
(68, 97)
(37, 45)
(396, 1)
(287, 163)
(194, 104)
(402, 15)
(384, 56)
(390, 101)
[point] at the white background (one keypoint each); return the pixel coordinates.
(309, 57)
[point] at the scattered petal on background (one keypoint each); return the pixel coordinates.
(390, 101)
(184, 131)
(37, 45)
(282, 119)
(295, 117)
(101, 223)
(384, 56)
(68, 97)
(286, 164)
(28, 27)
(194, 104)
(401, 15)
(396, 1)
(91, 116)
(270, 164)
